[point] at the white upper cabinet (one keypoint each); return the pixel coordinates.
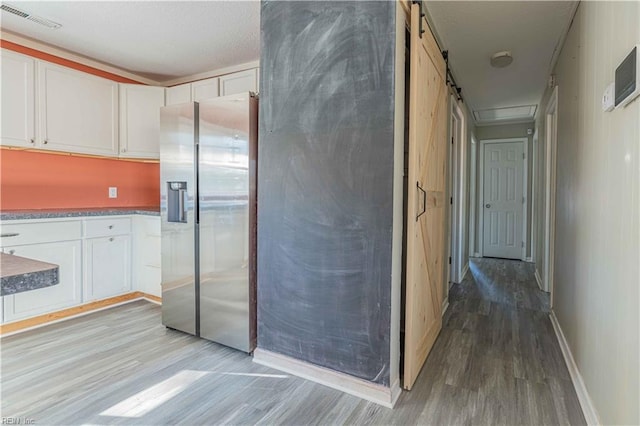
(18, 100)
(179, 94)
(78, 111)
(204, 89)
(230, 84)
(140, 120)
(239, 82)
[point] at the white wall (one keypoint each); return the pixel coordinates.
(505, 131)
(597, 243)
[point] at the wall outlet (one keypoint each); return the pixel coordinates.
(113, 192)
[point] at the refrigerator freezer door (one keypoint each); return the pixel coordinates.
(177, 214)
(227, 220)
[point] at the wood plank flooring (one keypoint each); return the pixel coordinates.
(496, 361)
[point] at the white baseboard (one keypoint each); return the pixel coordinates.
(385, 396)
(445, 305)
(538, 279)
(528, 259)
(396, 391)
(464, 272)
(588, 409)
(477, 255)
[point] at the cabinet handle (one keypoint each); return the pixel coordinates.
(33, 142)
(46, 141)
(9, 234)
(111, 239)
(11, 251)
(110, 226)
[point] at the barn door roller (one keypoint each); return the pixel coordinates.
(422, 16)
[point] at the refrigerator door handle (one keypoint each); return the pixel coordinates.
(182, 202)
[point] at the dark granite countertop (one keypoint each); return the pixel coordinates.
(62, 213)
(18, 274)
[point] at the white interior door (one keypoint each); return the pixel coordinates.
(503, 198)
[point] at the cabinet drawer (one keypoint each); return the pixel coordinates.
(105, 227)
(35, 233)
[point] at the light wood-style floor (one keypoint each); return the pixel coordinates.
(496, 361)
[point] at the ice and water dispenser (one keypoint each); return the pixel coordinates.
(177, 202)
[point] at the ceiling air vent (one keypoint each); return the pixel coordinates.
(42, 21)
(508, 114)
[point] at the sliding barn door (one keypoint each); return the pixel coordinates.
(426, 223)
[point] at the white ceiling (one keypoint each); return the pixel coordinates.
(472, 31)
(160, 40)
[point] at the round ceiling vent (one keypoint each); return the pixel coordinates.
(501, 59)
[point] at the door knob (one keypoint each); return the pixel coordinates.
(488, 206)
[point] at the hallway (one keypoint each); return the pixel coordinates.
(496, 361)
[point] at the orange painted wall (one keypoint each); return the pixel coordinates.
(36, 180)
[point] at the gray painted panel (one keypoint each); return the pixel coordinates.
(325, 184)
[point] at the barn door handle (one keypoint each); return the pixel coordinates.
(424, 201)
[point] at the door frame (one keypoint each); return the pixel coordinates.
(472, 197)
(525, 172)
(457, 191)
(534, 200)
(551, 144)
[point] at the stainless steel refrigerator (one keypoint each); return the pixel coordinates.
(208, 153)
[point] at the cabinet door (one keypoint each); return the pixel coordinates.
(204, 89)
(68, 292)
(18, 99)
(107, 267)
(79, 111)
(146, 257)
(239, 82)
(179, 94)
(140, 120)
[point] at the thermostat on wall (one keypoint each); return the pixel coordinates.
(628, 78)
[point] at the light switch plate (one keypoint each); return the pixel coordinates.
(608, 99)
(113, 192)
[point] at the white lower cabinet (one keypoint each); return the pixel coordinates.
(146, 246)
(107, 257)
(68, 292)
(95, 258)
(107, 264)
